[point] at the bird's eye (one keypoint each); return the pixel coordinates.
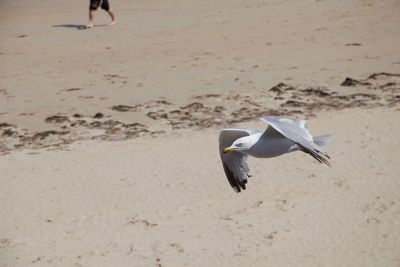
(239, 144)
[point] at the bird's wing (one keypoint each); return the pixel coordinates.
(234, 163)
(296, 131)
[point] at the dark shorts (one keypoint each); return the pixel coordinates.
(94, 4)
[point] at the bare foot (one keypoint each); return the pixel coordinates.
(112, 22)
(89, 26)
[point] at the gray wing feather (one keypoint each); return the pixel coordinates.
(296, 131)
(235, 163)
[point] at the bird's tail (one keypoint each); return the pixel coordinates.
(322, 140)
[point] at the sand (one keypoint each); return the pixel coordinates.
(109, 136)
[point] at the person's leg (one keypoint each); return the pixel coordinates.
(90, 24)
(106, 6)
(94, 4)
(113, 20)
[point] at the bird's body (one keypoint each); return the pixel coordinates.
(283, 135)
(266, 147)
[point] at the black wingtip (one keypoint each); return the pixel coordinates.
(318, 155)
(235, 183)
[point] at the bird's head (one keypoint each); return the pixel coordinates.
(242, 144)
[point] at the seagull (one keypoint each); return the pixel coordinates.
(282, 136)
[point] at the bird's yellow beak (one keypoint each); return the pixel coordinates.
(228, 149)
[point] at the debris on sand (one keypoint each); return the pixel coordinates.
(377, 90)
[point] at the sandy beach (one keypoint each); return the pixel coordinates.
(109, 136)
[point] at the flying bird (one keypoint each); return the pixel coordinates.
(282, 136)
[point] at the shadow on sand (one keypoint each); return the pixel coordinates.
(76, 26)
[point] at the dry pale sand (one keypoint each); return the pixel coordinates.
(165, 201)
(108, 136)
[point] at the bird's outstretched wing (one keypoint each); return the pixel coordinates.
(235, 163)
(296, 131)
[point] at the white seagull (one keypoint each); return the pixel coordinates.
(283, 135)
